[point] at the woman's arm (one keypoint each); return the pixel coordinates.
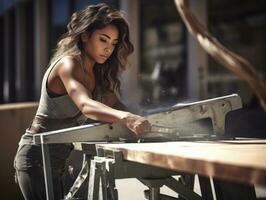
(71, 76)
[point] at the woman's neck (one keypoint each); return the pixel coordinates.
(88, 63)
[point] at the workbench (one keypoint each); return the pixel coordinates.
(227, 167)
(239, 163)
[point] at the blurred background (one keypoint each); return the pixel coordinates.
(167, 67)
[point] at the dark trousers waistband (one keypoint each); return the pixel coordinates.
(42, 124)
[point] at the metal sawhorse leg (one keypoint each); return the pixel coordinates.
(182, 190)
(102, 182)
(102, 171)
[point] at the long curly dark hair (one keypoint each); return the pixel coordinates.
(88, 20)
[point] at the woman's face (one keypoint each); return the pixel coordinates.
(100, 45)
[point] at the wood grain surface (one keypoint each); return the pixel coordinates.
(242, 160)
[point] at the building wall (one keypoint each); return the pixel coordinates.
(15, 118)
(32, 28)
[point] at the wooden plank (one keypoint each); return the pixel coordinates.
(236, 160)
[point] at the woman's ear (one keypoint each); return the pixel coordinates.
(84, 37)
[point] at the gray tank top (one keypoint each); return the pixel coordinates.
(55, 107)
(62, 106)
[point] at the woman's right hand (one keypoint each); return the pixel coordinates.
(137, 124)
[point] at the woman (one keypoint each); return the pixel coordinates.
(82, 80)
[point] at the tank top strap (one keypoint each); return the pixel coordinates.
(51, 66)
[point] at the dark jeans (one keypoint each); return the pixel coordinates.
(29, 170)
(28, 160)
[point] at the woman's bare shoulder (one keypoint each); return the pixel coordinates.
(70, 65)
